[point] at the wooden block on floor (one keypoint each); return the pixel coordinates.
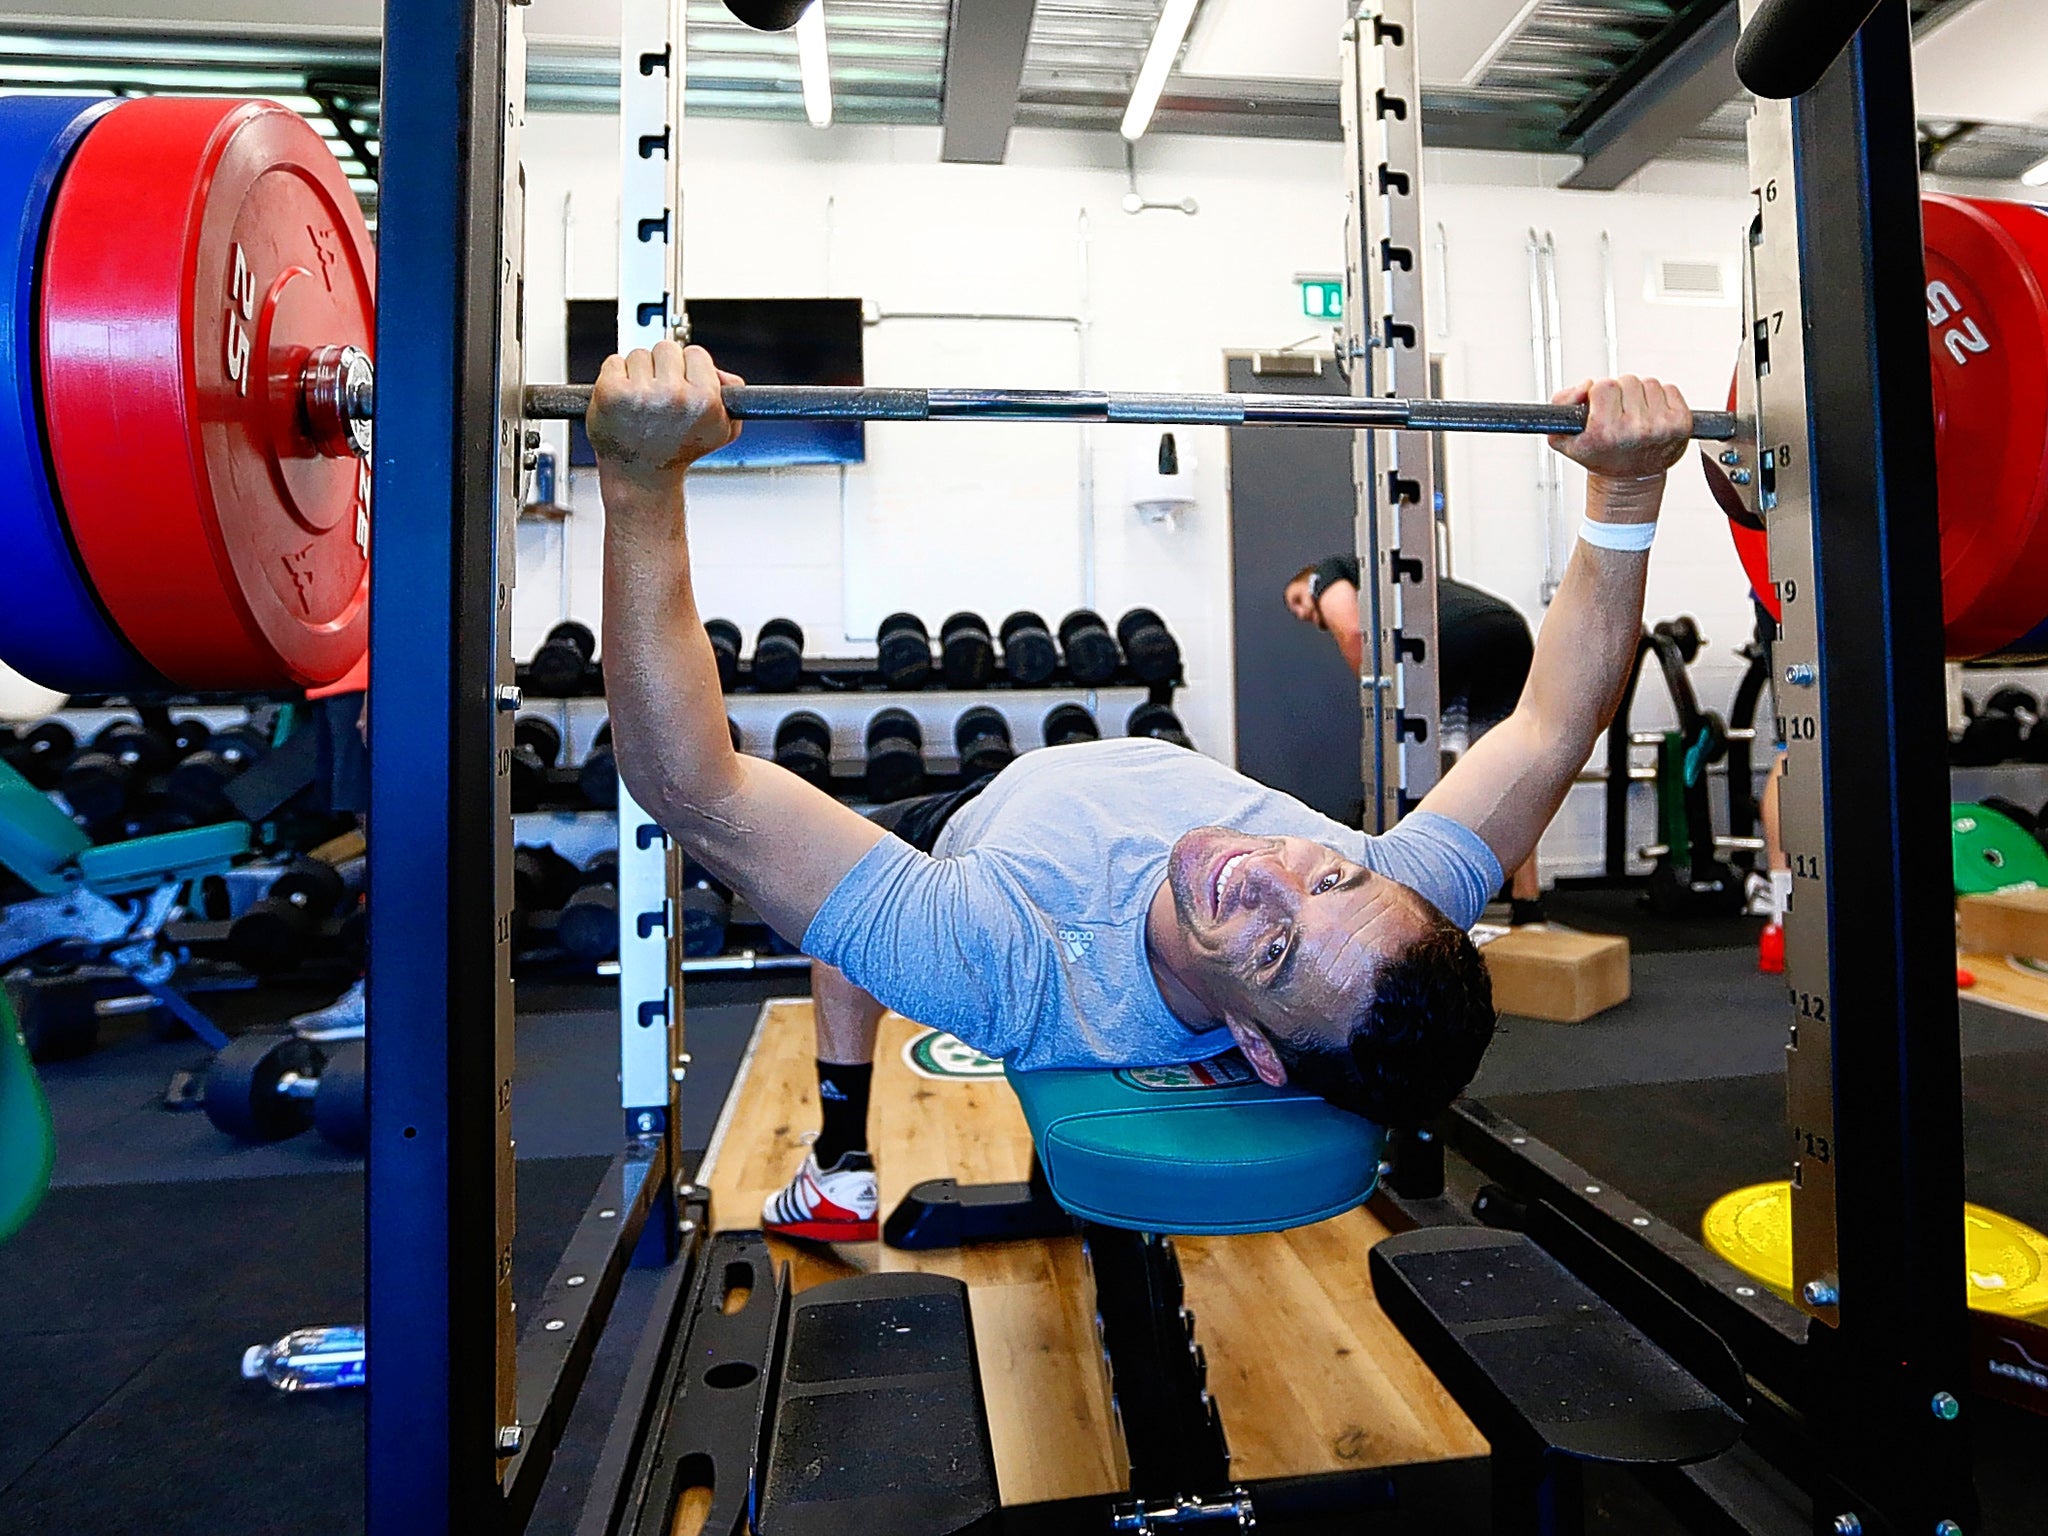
(1996, 980)
(1544, 972)
(1307, 1372)
(2004, 923)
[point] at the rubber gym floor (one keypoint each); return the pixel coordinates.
(162, 1250)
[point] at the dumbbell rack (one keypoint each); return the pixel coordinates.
(847, 704)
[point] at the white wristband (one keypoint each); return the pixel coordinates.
(1630, 538)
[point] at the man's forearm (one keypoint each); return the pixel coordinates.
(669, 733)
(1587, 644)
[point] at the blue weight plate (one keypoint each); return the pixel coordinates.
(52, 627)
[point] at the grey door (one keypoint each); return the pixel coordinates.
(1291, 503)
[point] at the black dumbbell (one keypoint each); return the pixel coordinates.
(588, 926)
(967, 656)
(198, 785)
(1029, 656)
(2019, 813)
(707, 912)
(2014, 701)
(1070, 723)
(1683, 632)
(1090, 648)
(557, 668)
(895, 756)
(779, 656)
(724, 636)
(341, 1103)
(188, 735)
(803, 745)
(265, 1087)
(1149, 646)
(103, 783)
(242, 746)
(41, 753)
(536, 745)
(1159, 722)
(1991, 736)
(598, 778)
(147, 750)
(982, 737)
(903, 652)
(276, 930)
(542, 880)
(97, 786)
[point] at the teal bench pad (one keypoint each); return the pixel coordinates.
(1197, 1150)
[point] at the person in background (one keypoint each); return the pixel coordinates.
(341, 715)
(1484, 649)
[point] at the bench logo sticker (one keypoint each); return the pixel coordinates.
(938, 1054)
(1229, 1070)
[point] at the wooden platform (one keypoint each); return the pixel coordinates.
(1307, 1372)
(2003, 985)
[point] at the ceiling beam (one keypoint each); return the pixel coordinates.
(984, 66)
(1648, 110)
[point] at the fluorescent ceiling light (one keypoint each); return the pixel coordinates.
(2035, 175)
(1173, 31)
(817, 67)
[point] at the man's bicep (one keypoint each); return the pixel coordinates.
(780, 842)
(1506, 788)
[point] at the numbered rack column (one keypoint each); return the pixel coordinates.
(651, 1055)
(1388, 345)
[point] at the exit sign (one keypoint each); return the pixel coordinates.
(1322, 298)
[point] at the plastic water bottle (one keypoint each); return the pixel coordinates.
(308, 1360)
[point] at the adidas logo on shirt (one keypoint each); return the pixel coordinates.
(1076, 942)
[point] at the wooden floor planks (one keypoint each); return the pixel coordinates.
(1306, 1370)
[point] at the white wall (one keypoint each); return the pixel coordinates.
(990, 516)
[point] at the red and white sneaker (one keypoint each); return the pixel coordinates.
(827, 1205)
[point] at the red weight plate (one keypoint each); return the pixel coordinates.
(1988, 343)
(197, 250)
(1752, 545)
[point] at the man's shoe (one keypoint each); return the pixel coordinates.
(827, 1205)
(341, 1019)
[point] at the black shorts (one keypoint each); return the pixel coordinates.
(1485, 661)
(920, 819)
(343, 776)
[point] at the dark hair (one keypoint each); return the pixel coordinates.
(1306, 573)
(1414, 1043)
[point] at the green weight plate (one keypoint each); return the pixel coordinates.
(1994, 853)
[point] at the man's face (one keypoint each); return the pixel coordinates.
(1300, 602)
(1283, 934)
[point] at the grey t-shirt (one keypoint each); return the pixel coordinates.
(1025, 934)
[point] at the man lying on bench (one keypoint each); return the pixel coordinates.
(1116, 903)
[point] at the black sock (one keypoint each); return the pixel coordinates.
(843, 1095)
(1526, 910)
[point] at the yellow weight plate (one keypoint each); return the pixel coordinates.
(2006, 1260)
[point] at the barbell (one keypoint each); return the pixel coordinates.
(796, 402)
